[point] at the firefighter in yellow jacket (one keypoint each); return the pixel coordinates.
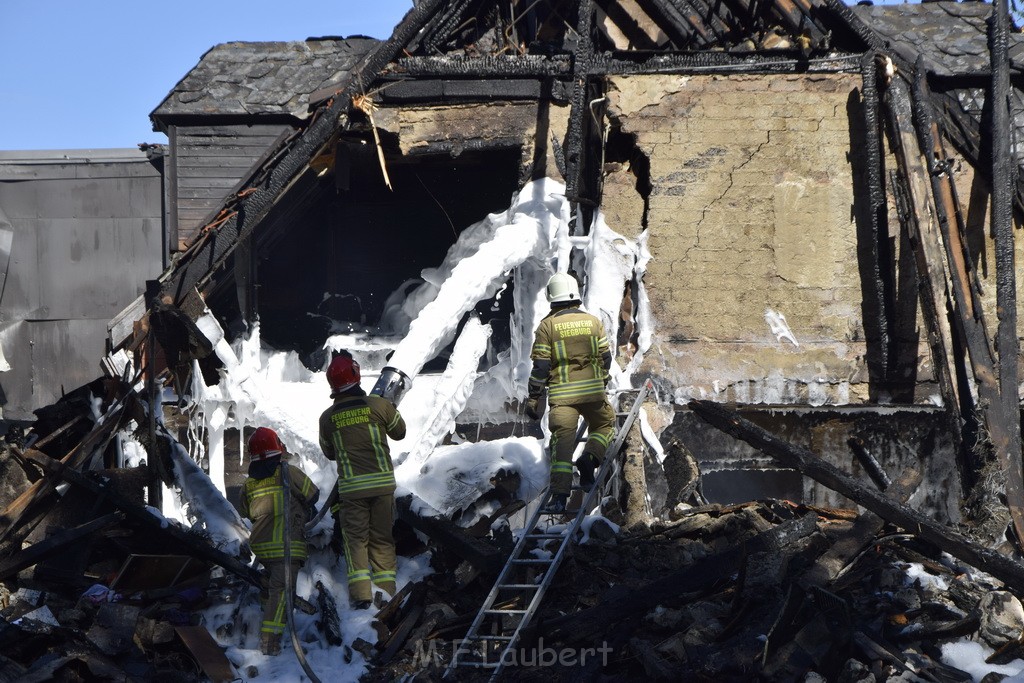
(571, 358)
(354, 431)
(263, 502)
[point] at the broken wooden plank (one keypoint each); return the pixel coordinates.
(206, 651)
(198, 546)
(476, 551)
(54, 543)
(859, 536)
(932, 275)
(998, 417)
(12, 516)
(1003, 568)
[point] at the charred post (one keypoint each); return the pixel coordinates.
(1007, 344)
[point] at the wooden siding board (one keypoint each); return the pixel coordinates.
(210, 161)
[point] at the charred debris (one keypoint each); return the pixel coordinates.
(96, 586)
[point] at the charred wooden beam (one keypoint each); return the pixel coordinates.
(869, 463)
(807, 463)
(196, 266)
(54, 544)
(797, 17)
(525, 66)
(927, 250)
(877, 216)
(139, 514)
(863, 532)
(969, 320)
(12, 517)
(1007, 343)
(624, 16)
(694, 578)
(681, 24)
(578, 113)
(439, 91)
(776, 61)
(476, 551)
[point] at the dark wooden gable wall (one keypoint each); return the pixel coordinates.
(207, 164)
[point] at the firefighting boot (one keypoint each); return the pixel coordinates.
(270, 644)
(586, 466)
(556, 504)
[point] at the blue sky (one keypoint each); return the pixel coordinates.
(81, 74)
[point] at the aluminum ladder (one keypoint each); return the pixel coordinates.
(483, 646)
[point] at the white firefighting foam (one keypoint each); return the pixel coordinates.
(523, 245)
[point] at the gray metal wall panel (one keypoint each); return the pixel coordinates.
(16, 383)
(86, 239)
(73, 197)
(94, 268)
(21, 290)
(65, 355)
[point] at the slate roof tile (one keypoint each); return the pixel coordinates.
(271, 78)
(951, 36)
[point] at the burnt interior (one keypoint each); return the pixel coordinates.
(350, 242)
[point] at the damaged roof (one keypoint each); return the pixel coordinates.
(255, 78)
(951, 37)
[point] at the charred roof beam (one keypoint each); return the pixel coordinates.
(681, 23)
(777, 61)
(197, 265)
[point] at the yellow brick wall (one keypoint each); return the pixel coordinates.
(751, 209)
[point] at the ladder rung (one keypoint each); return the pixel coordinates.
(488, 638)
(505, 611)
(518, 585)
(544, 536)
(479, 665)
(531, 561)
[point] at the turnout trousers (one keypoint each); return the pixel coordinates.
(563, 421)
(272, 596)
(368, 544)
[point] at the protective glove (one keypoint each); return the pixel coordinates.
(534, 408)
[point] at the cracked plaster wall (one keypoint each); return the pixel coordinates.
(750, 208)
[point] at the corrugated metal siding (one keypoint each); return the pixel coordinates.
(87, 236)
(209, 161)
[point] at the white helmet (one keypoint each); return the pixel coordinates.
(563, 287)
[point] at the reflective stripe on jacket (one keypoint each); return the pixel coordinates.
(571, 356)
(354, 433)
(263, 503)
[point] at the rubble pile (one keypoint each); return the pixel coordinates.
(766, 590)
(97, 585)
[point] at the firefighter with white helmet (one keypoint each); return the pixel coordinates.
(571, 358)
(353, 432)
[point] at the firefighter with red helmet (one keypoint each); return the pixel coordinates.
(262, 501)
(354, 432)
(571, 358)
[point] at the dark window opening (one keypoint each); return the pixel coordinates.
(344, 252)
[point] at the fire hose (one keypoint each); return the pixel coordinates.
(288, 578)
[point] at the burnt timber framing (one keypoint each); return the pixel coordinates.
(577, 75)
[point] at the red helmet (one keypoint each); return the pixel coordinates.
(264, 444)
(343, 373)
